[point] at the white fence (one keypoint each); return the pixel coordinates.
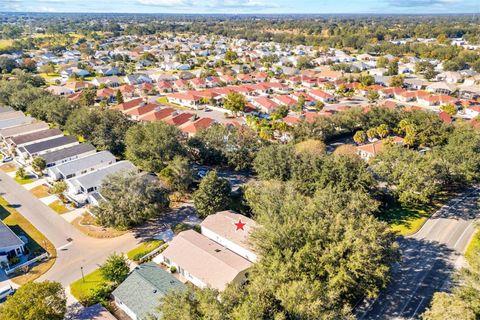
(29, 262)
(153, 253)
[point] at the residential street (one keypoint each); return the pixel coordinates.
(74, 249)
(428, 260)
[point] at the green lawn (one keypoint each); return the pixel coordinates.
(473, 246)
(28, 179)
(406, 220)
(82, 288)
(143, 249)
(5, 43)
(37, 242)
(58, 207)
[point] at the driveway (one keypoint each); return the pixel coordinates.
(74, 249)
(429, 258)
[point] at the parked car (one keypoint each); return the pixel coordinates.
(7, 159)
(5, 292)
(202, 173)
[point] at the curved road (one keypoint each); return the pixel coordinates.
(428, 260)
(74, 249)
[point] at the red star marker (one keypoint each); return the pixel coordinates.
(239, 225)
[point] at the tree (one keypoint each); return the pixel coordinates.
(231, 56)
(131, 198)
(372, 95)
(392, 68)
(153, 145)
(396, 81)
(300, 103)
(315, 147)
(87, 97)
(382, 130)
(274, 162)
(36, 301)
(21, 173)
(115, 269)
(119, 96)
(319, 105)
(39, 164)
(446, 306)
(7, 64)
(382, 62)
(359, 137)
(50, 108)
(346, 150)
(279, 113)
(448, 108)
(213, 194)
(47, 68)
(105, 129)
(178, 175)
(235, 102)
(191, 304)
(59, 187)
(372, 133)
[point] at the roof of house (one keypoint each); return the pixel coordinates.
(15, 122)
(24, 128)
(157, 115)
(95, 178)
(34, 136)
(95, 312)
(8, 238)
(11, 115)
(5, 109)
(61, 154)
(48, 144)
(70, 167)
(141, 110)
(128, 104)
(143, 288)
(223, 224)
(377, 146)
(180, 119)
(205, 259)
(198, 125)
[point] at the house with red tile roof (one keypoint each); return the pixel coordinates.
(127, 90)
(198, 83)
(369, 150)
(445, 117)
(164, 86)
(180, 119)
(265, 104)
(157, 115)
(105, 94)
(227, 79)
(185, 99)
(200, 124)
(285, 100)
(320, 95)
(129, 104)
(136, 113)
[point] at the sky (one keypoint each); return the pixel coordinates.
(244, 6)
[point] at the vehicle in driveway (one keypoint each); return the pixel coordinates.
(5, 292)
(202, 173)
(7, 159)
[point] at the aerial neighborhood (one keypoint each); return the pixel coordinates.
(157, 166)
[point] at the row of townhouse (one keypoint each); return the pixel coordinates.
(139, 110)
(79, 164)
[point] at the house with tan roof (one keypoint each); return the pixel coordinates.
(370, 150)
(204, 262)
(221, 227)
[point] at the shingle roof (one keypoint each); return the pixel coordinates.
(205, 259)
(143, 288)
(54, 156)
(8, 238)
(34, 136)
(49, 144)
(25, 128)
(96, 177)
(15, 122)
(84, 163)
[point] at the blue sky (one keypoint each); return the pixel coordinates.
(244, 6)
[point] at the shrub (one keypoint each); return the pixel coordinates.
(173, 269)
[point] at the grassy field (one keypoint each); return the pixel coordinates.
(37, 242)
(407, 220)
(28, 179)
(58, 207)
(40, 191)
(164, 100)
(5, 43)
(83, 287)
(473, 246)
(87, 224)
(144, 249)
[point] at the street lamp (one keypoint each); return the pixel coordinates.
(81, 270)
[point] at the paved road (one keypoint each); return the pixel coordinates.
(428, 260)
(74, 249)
